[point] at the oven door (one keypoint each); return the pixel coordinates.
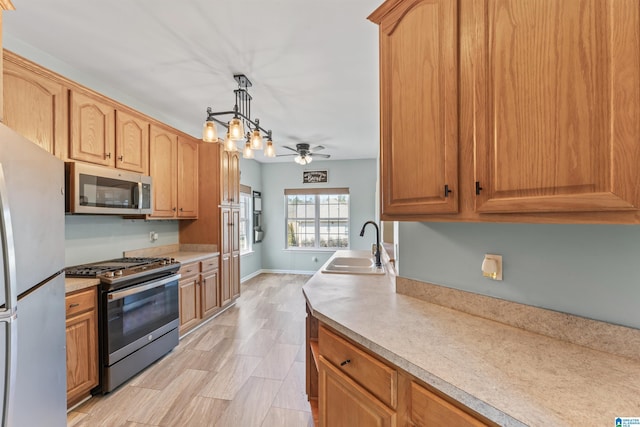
(139, 314)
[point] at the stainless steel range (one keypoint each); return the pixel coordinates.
(138, 314)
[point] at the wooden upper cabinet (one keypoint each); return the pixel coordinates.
(557, 105)
(229, 177)
(132, 143)
(419, 106)
(35, 105)
(173, 165)
(162, 168)
(187, 177)
(92, 129)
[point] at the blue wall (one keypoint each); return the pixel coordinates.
(358, 175)
(588, 270)
(251, 175)
(91, 238)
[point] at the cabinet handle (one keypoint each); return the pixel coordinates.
(478, 188)
(121, 158)
(107, 155)
(73, 305)
(446, 191)
(346, 362)
(174, 209)
(181, 209)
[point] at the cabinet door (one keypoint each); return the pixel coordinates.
(557, 105)
(162, 168)
(235, 252)
(234, 178)
(187, 178)
(225, 196)
(226, 275)
(419, 108)
(189, 303)
(35, 106)
(343, 403)
(132, 143)
(92, 130)
(82, 355)
(209, 293)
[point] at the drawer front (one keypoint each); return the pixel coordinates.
(430, 410)
(209, 264)
(188, 270)
(373, 375)
(81, 301)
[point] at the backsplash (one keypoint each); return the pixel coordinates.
(90, 238)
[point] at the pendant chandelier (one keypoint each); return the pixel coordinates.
(241, 121)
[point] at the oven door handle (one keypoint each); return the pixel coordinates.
(112, 296)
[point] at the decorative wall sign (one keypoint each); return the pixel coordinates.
(314, 177)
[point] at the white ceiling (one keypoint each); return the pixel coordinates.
(313, 64)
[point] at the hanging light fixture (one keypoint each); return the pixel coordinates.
(269, 151)
(240, 121)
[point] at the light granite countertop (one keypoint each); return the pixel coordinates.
(511, 376)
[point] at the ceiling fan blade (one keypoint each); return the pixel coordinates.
(317, 148)
(284, 155)
(289, 148)
(324, 156)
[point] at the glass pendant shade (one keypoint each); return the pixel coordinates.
(248, 152)
(269, 151)
(256, 140)
(236, 130)
(209, 132)
(298, 159)
(229, 144)
(307, 160)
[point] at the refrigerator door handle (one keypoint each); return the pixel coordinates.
(11, 356)
(8, 252)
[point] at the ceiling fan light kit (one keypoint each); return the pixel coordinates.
(236, 126)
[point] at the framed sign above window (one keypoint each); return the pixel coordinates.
(314, 177)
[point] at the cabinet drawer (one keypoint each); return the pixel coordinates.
(80, 301)
(209, 264)
(188, 270)
(376, 377)
(430, 410)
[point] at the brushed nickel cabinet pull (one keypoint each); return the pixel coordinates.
(346, 362)
(73, 305)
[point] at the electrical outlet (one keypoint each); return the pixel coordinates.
(492, 266)
(153, 236)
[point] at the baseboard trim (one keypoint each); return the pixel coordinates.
(259, 272)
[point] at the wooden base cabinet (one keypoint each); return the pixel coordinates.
(344, 403)
(82, 344)
(353, 387)
(199, 297)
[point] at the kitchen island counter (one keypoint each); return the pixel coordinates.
(509, 375)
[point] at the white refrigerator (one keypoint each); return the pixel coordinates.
(32, 311)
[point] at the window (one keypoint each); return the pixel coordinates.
(245, 220)
(317, 218)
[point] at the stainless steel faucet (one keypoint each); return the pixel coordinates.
(377, 254)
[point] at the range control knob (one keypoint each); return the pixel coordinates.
(119, 273)
(109, 274)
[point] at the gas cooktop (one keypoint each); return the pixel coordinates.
(121, 270)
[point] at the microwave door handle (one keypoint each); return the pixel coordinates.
(139, 194)
(8, 252)
(8, 316)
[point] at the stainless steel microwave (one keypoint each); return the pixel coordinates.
(100, 190)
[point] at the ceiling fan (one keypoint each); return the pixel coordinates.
(304, 154)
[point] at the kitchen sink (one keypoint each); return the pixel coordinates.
(352, 265)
